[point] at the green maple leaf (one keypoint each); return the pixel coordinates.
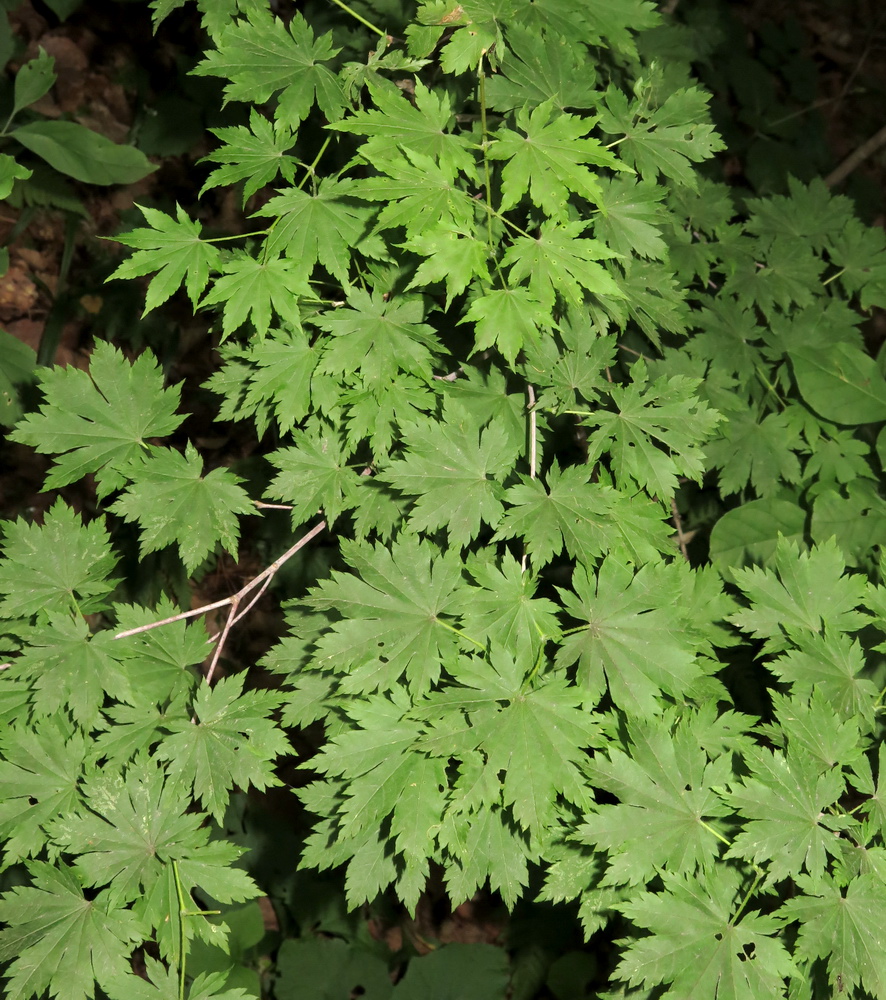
(485, 396)
(811, 213)
(134, 826)
(420, 195)
(559, 262)
(314, 475)
(507, 318)
(548, 162)
(260, 58)
(667, 413)
(575, 371)
(254, 155)
(451, 469)
(69, 669)
(423, 127)
(58, 567)
(834, 665)
(100, 420)
(163, 983)
(696, 945)
(782, 806)
(250, 288)
(667, 140)
(584, 518)
(862, 778)
(39, 774)
(790, 601)
(164, 657)
(762, 452)
(630, 640)
(844, 928)
(57, 940)
(324, 226)
(859, 252)
(506, 610)
(172, 248)
(452, 255)
(631, 218)
(378, 338)
(396, 614)
(665, 787)
(378, 411)
(232, 743)
(817, 728)
(132, 729)
(539, 68)
(174, 503)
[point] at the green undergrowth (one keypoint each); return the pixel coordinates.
(581, 457)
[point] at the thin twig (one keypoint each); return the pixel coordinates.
(533, 448)
(855, 159)
(678, 524)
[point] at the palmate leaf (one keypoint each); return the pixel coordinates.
(69, 669)
(58, 940)
(58, 567)
(845, 928)
(423, 127)
(454, 256)
(631, 218)
(100, 421)
(136, 825)
(232, 743)
(668, 140)
(558, 262)
(39, 774)
(762, 452)
(697, 948)
(450, 468)
(507, 318)
(782, 804)
(568, 511)
(172, 248)
(791, 603)
(665, 787)
(163, 984)
(631, 639)
(174, 503)
(254, 155)
(322, 227)
(260, 58)
(249, 288)
(396, 614)
(668, 413)
(548, 162)
(378, 338)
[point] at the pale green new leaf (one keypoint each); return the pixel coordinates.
(453, 470)
(56, 567)
(233, 742)
(452, 255)
(254, 155)
(492, 849)
(845, 928)
(100, 421)
(558, 262)
(253, 288)
(173, 248)
(697, 947)
(163, 982)
(259, 58)
(549, 161)
(56, 939)
(174, 503)
(631, 638)
(631, 218)
(324, 226)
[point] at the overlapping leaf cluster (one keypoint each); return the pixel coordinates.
(496, 329)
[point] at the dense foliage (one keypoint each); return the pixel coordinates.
(594, 446)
